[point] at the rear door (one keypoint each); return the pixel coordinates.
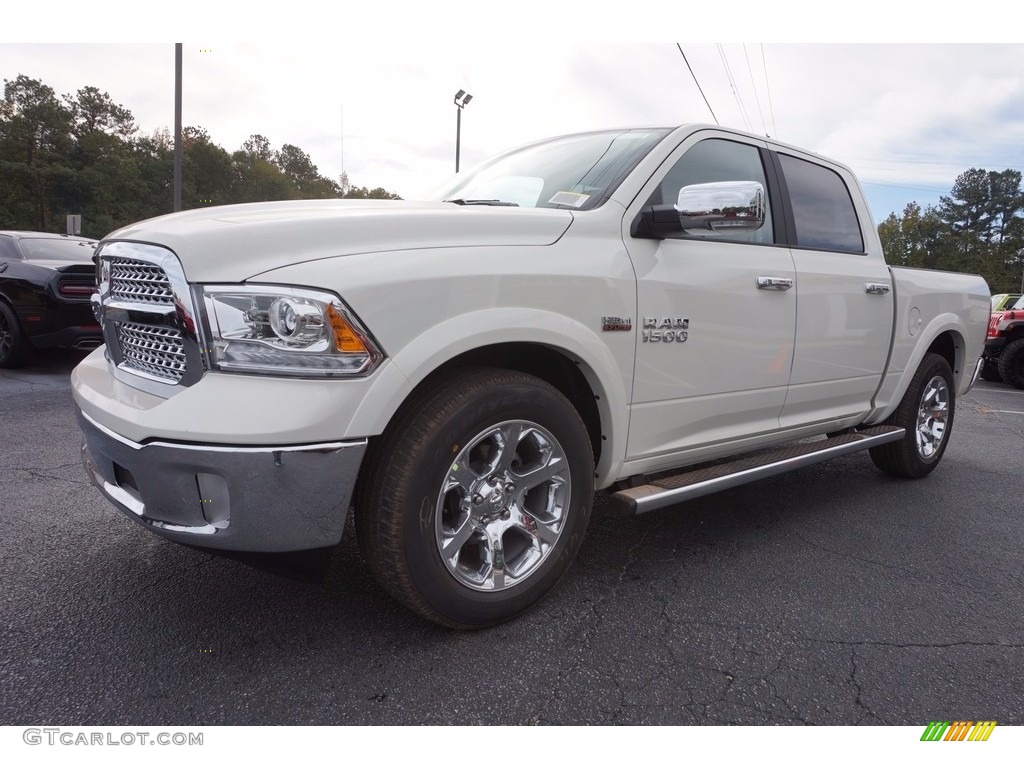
(843, 294)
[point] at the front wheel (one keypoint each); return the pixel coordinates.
(1011, 364)
(14, 347)
(476, 498)
(926, 413)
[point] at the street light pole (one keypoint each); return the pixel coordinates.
(461, 100)
(177, 127)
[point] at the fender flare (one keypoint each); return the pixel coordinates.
(892, 389)
(463, 333)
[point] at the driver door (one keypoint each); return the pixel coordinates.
(717, 315)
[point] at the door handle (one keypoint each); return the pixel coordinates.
(877, 288)
(766, 283)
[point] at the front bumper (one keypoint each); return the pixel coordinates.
(247, 499)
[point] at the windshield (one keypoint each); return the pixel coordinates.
(57, 249)
(575, 172)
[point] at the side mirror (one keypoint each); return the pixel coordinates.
(721, 206)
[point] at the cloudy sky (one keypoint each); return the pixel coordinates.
(907, 117)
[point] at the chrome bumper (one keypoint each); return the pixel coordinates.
(248, 499)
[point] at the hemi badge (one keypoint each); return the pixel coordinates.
(616, 323)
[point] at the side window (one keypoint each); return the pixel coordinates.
(822, 207)
(717, 160)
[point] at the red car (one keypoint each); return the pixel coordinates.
(1004, 346)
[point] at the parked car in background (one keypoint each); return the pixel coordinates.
(1004, 345)
(1001, 301)
(46, 282)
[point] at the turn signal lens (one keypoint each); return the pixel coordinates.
(346, 339)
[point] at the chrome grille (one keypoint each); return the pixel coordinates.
(153, 349)
(149, 319)
(139, 282)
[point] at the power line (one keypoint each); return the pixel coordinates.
(771, 109)
(753, 85)
(735, 92)
(902, 186)
(697, 82)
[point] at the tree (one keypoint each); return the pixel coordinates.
(256, 178)
(978, 227)
(257, 147)
(208, 172)
(35, 143)
(915, 239)
(377, 193)
(93, 111)
(83, 153)
(107, 184)
(983, 213)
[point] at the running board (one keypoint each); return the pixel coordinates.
(694, 483)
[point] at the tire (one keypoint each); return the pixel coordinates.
(926, 412)
(990, 370)
(486, 462)
(14, 347)
(1011, 364)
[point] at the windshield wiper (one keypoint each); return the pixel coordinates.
(460, 201)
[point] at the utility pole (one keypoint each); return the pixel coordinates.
(177, 127)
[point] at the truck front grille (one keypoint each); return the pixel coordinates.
(153, 349)
(148, 317)
(136, 281)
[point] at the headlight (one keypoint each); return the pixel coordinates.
(284, 331)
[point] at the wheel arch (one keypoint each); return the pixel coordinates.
(946, 339)
(559, 369)
(556, 349)
(949, 345)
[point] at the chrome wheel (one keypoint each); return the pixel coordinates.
(476, 498)
(502, 507)
(932, 417)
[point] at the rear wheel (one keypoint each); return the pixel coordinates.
(14, 347)
(477, 497)
(926, 413)
(1011, 364)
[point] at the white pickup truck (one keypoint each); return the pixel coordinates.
(657, 312)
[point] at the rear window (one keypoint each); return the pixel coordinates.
(57, 249)
(822, 207)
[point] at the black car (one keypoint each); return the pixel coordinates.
(46, 282)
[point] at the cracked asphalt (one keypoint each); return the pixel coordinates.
(833, 595)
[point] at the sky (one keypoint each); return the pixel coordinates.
(908, 118)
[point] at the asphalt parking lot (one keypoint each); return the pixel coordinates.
(833, 595)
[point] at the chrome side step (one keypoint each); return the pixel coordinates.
(694, 483)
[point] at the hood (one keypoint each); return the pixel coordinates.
(236, 242)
